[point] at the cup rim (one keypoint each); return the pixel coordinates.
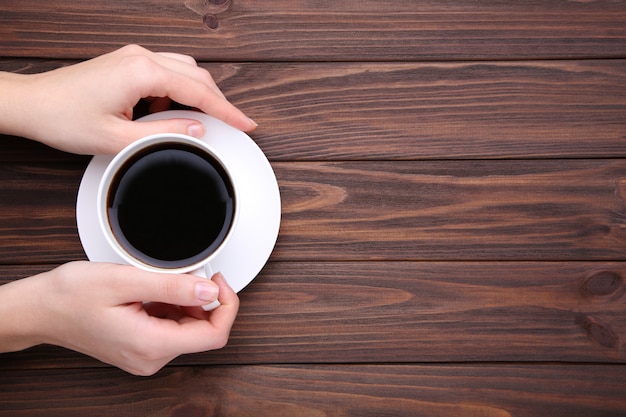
(118, 161)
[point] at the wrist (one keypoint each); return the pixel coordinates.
(21, 322)
(14, 108)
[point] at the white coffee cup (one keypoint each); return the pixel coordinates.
(167, 203)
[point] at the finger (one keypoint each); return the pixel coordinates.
(224, 315)
(210, 102)
(187, 66)
(192, 334)
(160, 76)
(227, 297)
(129, 284)
(136, 50)
(179, 57)
(189, 335)
(222, 109)
(189, 91)
(133, 130)
(145, 64)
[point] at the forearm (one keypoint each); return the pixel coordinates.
(19, 312)
(15, 110)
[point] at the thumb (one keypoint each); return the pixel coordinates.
(137, 129)
(177, 289)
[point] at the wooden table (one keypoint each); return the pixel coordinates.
(453, 179)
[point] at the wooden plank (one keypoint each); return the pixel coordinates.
(396, 111)
(396, 312)
(433, 311)
(411, 111)
(37, 212)
(454, 210)
(442, 210)
(287, 30)
(497, 390)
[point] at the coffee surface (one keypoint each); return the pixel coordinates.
(171, 207)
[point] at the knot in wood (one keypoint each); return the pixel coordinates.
(210, 21)
(603, 283)
(598, 332)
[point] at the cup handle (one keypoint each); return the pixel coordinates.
(207, 272)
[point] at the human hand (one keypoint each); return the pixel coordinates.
(87, 108)
(97, 309)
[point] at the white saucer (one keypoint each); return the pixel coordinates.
(256, 231)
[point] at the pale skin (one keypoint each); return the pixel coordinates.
(136, 320)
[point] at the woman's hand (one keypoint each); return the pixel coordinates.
(87, 108)
(133, 319)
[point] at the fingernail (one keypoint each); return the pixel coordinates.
(206, 291)
(253, 122)
(195, 130)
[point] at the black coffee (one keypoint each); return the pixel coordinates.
(171, 205)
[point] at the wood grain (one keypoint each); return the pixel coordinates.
(452, 176)
(453, 210)
(286, 30)
(37, 212)
(416, 111)
(401, 312)
(375, 111)
(405, 210)
(496, 390)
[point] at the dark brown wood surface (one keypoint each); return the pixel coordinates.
(453, 238)
(302, 30)
(495, 390)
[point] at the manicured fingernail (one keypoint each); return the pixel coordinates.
(207, 291)
(195, 130)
